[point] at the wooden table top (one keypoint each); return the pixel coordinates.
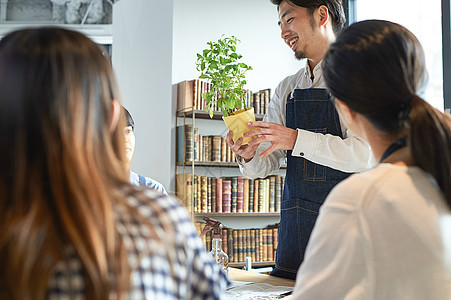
(242, 275)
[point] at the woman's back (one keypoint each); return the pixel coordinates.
(391, 238)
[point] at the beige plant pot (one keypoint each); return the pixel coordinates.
(237, 123)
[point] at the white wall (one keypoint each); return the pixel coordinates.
(142, 59)
(254, 22)
(154, 47)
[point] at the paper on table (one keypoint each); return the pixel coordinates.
(255, 291)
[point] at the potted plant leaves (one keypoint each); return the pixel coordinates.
(219, 64)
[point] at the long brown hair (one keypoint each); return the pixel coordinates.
(378, 69)
(61, 166)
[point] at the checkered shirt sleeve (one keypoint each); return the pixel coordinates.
(185, 271)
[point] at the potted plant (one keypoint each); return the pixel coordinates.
(220, 65)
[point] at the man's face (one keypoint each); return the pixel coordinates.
(298, 30)
(129, 142)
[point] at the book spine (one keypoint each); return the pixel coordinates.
(272, 194)
(275, 238)
(253, 245)
(219, 192)
(278, 196)
(216, 149)
(224, 148)
(261, 195)
(240, 245)
(256, 195)
(209, 194)
(230, 243)
(226, 195)
(235, 246)
(213, 195)
(265, 244)
(234, 182)
(245, 195)
(251, 195)
(239, 194)
(204, 194)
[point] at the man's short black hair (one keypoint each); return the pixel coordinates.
(335, 8)
(128, 118)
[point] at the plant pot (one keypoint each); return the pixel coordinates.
(237, 124)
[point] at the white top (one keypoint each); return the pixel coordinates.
(350, 154)
(383, 234)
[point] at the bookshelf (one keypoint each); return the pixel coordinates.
(197, 169)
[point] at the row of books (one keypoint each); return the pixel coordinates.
(259, 244)
(189, 95)
(204, 194)
(192, 146)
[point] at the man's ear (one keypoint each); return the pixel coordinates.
(115, 114)
(323, 13)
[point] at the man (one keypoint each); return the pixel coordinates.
(135, 179)
(302, 126)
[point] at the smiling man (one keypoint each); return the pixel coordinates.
(303, 127)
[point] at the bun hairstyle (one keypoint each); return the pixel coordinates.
(378, 69)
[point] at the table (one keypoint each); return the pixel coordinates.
(242, 275)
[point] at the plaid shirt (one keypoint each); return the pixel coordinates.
(194, 273)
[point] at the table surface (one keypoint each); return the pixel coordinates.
(242, 275)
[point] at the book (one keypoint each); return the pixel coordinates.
(209, 198)
(272, 194)
(213, 195)
(239, 194)
(251, 195)
(234, 182)
(256, 195)
(219, 192)
(184, 188)
(216, 148)
(230, 243)
(278, 193)
(185, 143)
(185, 94)
(224, 148)
(195, 194)
(235, 246)
(204, 194)
(245, 195)
(226, 195)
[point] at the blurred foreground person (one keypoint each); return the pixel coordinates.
(72, 226)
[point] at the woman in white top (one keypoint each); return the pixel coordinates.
(384, 233)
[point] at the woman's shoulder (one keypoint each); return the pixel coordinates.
(385, 182)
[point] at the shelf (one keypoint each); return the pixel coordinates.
(221, 164)
(200, 114)
(254, 264)
(251, 214)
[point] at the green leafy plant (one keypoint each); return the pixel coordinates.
(220, 65)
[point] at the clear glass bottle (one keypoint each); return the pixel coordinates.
(218, 254)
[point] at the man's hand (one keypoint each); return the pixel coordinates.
(245, 151)
(280, 137)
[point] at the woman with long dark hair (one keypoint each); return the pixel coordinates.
(71, 224)
(384, 233)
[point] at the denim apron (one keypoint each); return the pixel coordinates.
(306, 184)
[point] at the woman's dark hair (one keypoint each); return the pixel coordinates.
(335, 8)
(128, 118)
(378, 68)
